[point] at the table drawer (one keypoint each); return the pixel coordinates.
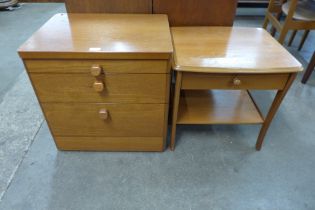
(108, 66)
(234, 81)
(122, 88)
(119, 120)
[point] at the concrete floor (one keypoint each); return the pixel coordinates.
(213, 167)
(20, 115)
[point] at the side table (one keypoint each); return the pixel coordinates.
(215, 69)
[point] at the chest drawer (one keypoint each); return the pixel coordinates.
(234, 81)
(110, 143)
(108, 66)
(110, 120)
(122, 88)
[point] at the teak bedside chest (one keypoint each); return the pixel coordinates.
(103, 80)
(216, 66)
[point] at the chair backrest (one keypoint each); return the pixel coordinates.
(109, 6)
(197, 12)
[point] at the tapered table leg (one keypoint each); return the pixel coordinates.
(175, 108)
(273, 110)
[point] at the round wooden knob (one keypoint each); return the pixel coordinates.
(98, 86)
(103, 113)
(96, 70)
(237, 81)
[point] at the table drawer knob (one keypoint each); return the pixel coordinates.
(98, 86)
(96, 70)
(103, 113)
(237, 81)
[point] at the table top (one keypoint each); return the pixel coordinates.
(230, 50)
(101, 36)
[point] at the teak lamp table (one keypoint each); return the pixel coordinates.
(216, 66)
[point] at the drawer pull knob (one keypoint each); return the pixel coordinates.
(103, 113)
(98, 86)
(96, 70)
(237, 81)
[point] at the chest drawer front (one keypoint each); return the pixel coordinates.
(122, 120)
(234, 81)
(110, 143)
(122, 88)
(108, 66)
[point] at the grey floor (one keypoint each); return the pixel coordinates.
(213, 167)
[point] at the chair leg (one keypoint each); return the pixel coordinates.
(288, 23)
(292, 38)
(273, 29)
(305, 34)
(309, 70)
(266, 21)
(283, 34)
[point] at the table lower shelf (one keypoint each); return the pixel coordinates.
(218, 107)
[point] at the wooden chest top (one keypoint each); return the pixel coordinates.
(101, 36)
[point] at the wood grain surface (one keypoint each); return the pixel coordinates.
(133, 144)
(217, 107)
(125, 120)
(108, 66)
(230, 50)
(197, 12)
(225, 81)
(119, 88)
(109, 6)
(98, 36)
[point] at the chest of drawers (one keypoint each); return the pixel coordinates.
(102, 80)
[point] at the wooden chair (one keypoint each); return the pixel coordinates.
(309, 69)
(307, 8)
(8, 3)
(109, 6)
(197, 12)
(300, 15)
